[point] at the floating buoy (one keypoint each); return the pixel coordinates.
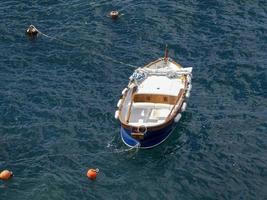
(5, 175)
(32, 31)
(114, 14)
(92, 173)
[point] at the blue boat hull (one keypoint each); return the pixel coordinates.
(151, 138)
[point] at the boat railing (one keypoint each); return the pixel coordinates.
(154, 62)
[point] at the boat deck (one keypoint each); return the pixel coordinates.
(160, 85)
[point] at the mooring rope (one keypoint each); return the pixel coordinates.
(73, 45)
(136, 147)
(115, 151)
(54, 38)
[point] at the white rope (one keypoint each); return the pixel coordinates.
(105, 56)
(53, 38)
(115, 151)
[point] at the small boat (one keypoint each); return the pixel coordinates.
(153, 102)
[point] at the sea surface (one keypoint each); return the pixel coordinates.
(58, 95)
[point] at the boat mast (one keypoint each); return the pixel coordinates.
(166, 54)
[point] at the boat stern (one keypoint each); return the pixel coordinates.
(127, 138)
(145, 140)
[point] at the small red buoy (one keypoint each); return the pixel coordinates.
(5, 175)
(114, 14)
(92, 173)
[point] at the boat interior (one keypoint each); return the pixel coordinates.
(149, 109)
(153, 101)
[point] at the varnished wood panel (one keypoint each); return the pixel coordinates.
(155, 98)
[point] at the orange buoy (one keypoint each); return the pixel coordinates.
(92, 173)
(5, 175)
(114, 14)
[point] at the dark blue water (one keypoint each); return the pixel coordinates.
(58, 98)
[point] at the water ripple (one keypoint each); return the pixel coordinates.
(58, 97)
